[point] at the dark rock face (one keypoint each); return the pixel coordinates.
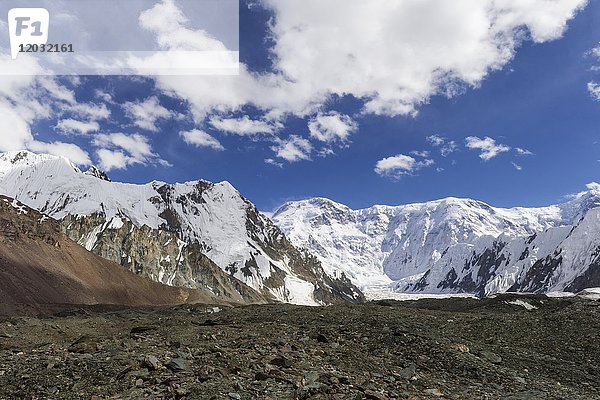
(538, 277)
(94, 171)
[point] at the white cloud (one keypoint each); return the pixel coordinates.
(488, 146)
(405, 51)
(446, 146)
(137, 145)
(15, 129)
(241, 126)
(91, 111)
(270, 161)
(26, 98)
(168, 23)
(594, 90)
(104, 96)
(292, 149)
(423, 154)
(145, 114)
(109, 160)
(119, 150)
(68, 150)
(449, 148)
(517, 166)
(332, 127)
(523, 152)
(400, 165)
(77, 127)
(57, 91)
(436, 140)
(400, 54)
(593, 87)
(325, 151)
(200, 138)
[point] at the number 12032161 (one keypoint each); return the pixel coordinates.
(46, 48)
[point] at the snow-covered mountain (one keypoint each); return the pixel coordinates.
(214, 218)
(452, 245)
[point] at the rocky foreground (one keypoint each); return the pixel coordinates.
(456, 349)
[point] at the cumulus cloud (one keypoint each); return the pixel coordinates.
(399, 56)
(593, 87)
(331, 127)
(400, 165)
(146, 113)
(77, 127)
(446, 146)
(488, 147)
(292, 149)
(57, 91)
(200, 138)
(517, 166)
(243, 126)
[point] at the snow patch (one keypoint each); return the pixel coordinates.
(590, 294)
(374, 296)
(524, 304)
(300, 292)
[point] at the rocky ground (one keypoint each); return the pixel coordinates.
(429, 349)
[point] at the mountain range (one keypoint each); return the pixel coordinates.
(453, 245)
(207, 236)
(199, 235)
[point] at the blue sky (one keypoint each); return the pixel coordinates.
(539, 98)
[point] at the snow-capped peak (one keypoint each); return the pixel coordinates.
(13, 160)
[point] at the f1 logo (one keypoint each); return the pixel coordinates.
(28, 26)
